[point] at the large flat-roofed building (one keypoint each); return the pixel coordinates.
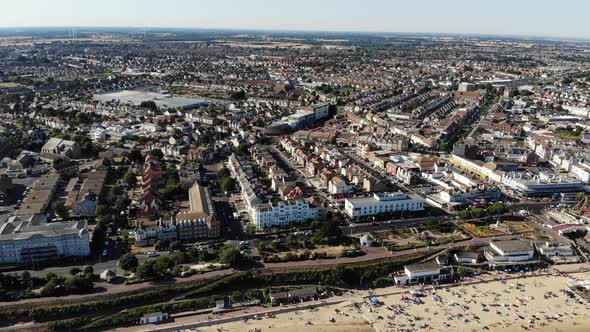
(422, 273)
(31, 240)
(136, 97)
(297, 120)
(381, 203)
(543, 184)
(199, 222)
(509, 252)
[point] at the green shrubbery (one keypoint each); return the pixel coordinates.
(346, 276)
(243, 286)
(60, 312)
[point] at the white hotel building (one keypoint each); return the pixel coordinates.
(381, 203)
(283, 214)
(32, 240)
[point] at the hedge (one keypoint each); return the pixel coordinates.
(201, 292)
(345, 276)
(58, 312)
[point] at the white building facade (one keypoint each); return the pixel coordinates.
(24, 244)
(282, 214)
(381, 203)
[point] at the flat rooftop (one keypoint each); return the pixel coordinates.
(136, 97)
(423, 267)
(513, 245)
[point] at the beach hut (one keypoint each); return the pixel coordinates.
(153, 317)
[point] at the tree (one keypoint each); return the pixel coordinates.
(180, 258)
(115, 192)
(122, 203)
(464, 214)
(162, 265)
(157, 153)
(135, 156)
(241, 149)
(238, 95)
(88, 269)
(99, 236)
(51, 288)
(330, 227)
(230, 255)
(50, 275)
(149, 104)
(228, 184)
(90, 149)
(203, 256)
(497, 208)
(477, 212)
(60, 210)
(128, 262)
(26, 278)
(274, 246)
(193, 254)
(291, 241)
(316, 237)
(251, 229)
(101, 210)
(125, 245)
(77, 284)
(223, 173)
(176, 245)
(580, 196)
(145, 270)
(130, 178)
(171, 189)
(158, 245)
(75, 270)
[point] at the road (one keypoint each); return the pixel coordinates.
(98, 267)
(112, 289)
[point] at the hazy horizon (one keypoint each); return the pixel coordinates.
(542, 18)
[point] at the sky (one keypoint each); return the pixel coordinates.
(553, 18)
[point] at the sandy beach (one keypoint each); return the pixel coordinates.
(498, 302)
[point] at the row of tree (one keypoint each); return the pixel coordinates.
(495, 209)
(169, 266)
(226, 182)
